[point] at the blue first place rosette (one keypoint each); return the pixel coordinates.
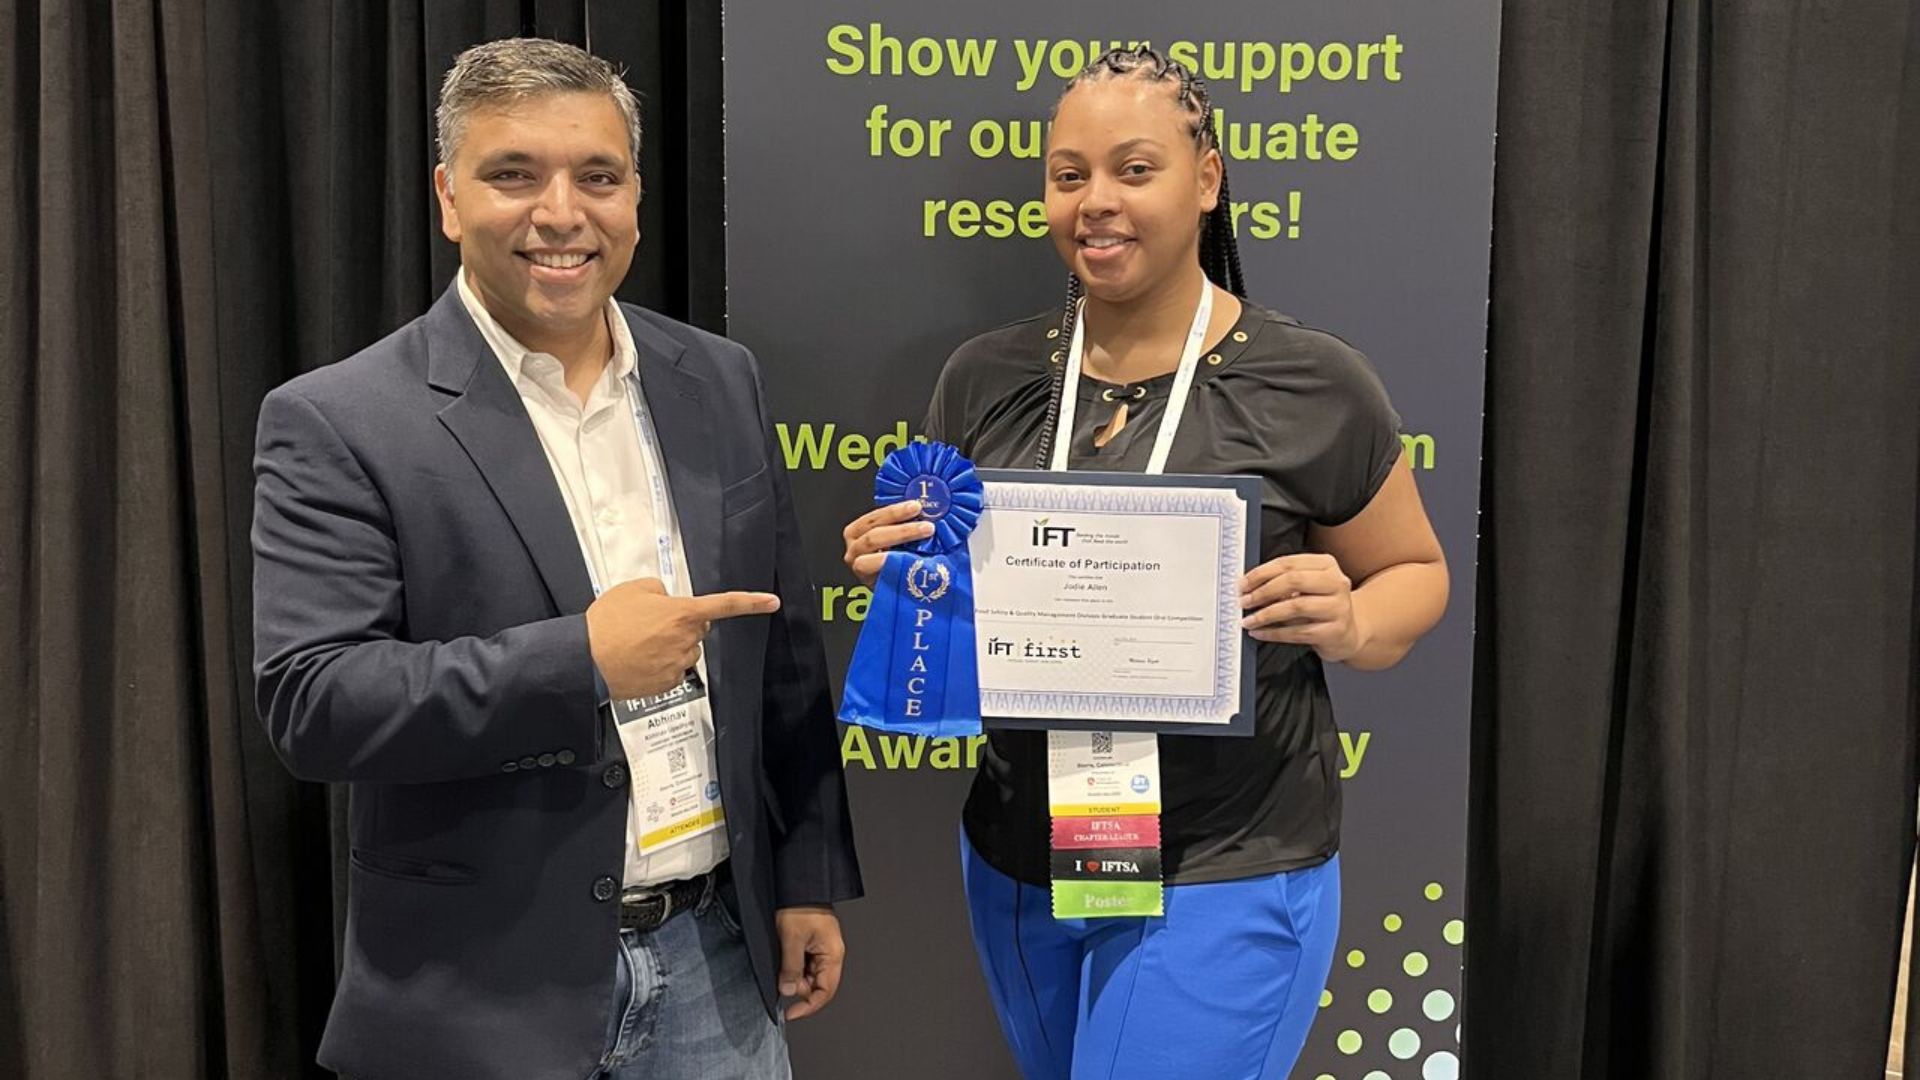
(914, 671)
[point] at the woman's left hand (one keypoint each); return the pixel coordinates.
(1303, 599)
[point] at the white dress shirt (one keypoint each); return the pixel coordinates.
(596, 457)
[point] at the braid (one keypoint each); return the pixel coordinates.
(1057, 376)
(1219, 249)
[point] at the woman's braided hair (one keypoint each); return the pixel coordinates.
(1219, 254)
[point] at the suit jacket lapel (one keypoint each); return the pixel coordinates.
(491, 424)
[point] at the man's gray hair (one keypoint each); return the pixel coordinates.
(520, 69)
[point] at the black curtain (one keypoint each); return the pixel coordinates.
(1695, 721)
(125, 868)
(1696, 727)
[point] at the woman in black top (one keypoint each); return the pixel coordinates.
(1226, 983)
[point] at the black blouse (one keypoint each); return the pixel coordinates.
(1298, 408)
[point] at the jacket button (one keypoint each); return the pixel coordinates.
(509, 766)
(529, 761)
(604, 888)
(615, 776)
(564, 757)
(546, 761)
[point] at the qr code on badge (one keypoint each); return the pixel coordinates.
(1102, 742)
(677, 759)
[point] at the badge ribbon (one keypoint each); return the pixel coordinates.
(914, 670)
(1104, 795)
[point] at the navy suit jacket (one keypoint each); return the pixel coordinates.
(419, 634)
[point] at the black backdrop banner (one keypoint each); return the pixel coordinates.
(883, 181)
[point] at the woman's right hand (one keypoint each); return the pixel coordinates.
(870, 535)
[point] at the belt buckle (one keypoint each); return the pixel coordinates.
(637, 903)
(639, 899)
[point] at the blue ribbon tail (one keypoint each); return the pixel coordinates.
(914, 671)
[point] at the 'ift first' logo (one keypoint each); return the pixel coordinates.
(1045, 535)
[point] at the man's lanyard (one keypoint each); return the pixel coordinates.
(668, 738)
(656, 466)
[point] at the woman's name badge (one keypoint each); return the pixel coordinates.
(1103, 792)
(676, 779)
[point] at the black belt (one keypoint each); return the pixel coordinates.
(644, 909)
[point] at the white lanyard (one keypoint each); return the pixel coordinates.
(656, 479)
(1176, 398)
(654, 462)
(1080, 761)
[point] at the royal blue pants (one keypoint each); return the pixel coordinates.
(1222, 987)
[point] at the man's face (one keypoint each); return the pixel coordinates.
(543, 200)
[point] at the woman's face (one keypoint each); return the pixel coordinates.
(1126, 188)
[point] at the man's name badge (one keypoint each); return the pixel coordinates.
(676, 778)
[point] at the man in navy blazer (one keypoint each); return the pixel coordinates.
(592, 835)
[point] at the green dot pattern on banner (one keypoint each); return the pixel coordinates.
(1402, 1022)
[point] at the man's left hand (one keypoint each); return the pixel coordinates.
(811, 953)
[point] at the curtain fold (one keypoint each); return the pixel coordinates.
(130, 942)
(1696, 736)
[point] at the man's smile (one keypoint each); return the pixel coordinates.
(559, 267)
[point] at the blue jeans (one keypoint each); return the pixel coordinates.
(686, 1007)
(1221, 987)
